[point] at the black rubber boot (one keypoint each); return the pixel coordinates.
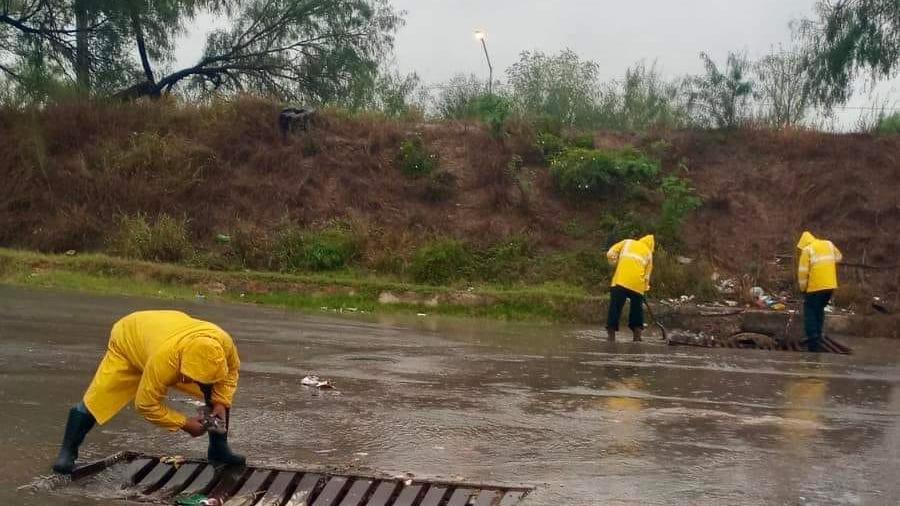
(636, 332)
(77, 426)
(219, 452)
(813, 344)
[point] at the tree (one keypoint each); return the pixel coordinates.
(388, 91)
(562, 88)
(295, 49)
(722, 98)
(459, 97)
(846, 38)
(783, 87)
(641, 100)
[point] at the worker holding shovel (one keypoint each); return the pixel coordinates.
(634, 263)
(817, 277)
(149, 352)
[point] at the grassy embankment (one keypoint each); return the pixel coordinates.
(338, 292)
(361, 212)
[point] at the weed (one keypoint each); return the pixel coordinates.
(505, 262)
(329, 249)
(549, 145)
(670, 278)
(582, 141)
(680, 201)
(441, 262)
(414, 159)
(441, 186)
(888, 124)
(251, 247)
(309, 147)
(591, 173)
(166, 239)
(493, 110)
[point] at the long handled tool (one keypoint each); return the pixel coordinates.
(655, 321)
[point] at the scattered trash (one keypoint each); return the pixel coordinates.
(71, 253)
(421, 314)
(726, 286)
(323, 452)
(762, 300)
(684, 260)
(829, 308)
(314, 381)
(197, 500)
(200, 297)
(731, 303)
(175, 461)
(223, 238)
(879, 305)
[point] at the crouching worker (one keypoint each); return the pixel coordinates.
(149, 352)
(634, 262)
(817, 277)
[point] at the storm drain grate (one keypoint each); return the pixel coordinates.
(749, 340)
(148, 479)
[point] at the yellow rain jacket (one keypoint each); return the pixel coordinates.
(151, 351)
(634, 263)
(817, 270)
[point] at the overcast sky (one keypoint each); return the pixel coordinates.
(438, 42)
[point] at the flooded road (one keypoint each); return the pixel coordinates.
(584, 421)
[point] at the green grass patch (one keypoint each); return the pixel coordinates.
(342, 291)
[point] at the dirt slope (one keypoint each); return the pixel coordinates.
(70, 169)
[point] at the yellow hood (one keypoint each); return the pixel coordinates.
(805, 240)
(648, 241)
(203, 360)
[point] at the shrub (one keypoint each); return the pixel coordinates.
(164, 240)
(506, 261)
(549, 145)
(441, 262)
(591, 172)
(440, 186)
(670, 278)
(415, 159)
(328, 249)
(679, 202)
(889, 125)
(587, 268)
(583, 141)
(251, 247)
(493, 110)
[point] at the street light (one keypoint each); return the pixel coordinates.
(481, 35)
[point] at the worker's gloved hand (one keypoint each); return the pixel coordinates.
(194, 426)
(220, 411)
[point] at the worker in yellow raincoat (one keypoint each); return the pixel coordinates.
(148, 353)
(817, 277)
(634, 263)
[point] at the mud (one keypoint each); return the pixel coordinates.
(585, 421)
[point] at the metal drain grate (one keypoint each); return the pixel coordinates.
(146, 478)
(749, 340)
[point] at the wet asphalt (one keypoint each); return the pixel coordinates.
(555, 407)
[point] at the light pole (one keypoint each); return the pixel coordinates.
(481, 35)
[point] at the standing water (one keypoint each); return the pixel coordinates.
(558, 408)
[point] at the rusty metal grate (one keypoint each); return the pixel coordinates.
(148, 479)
